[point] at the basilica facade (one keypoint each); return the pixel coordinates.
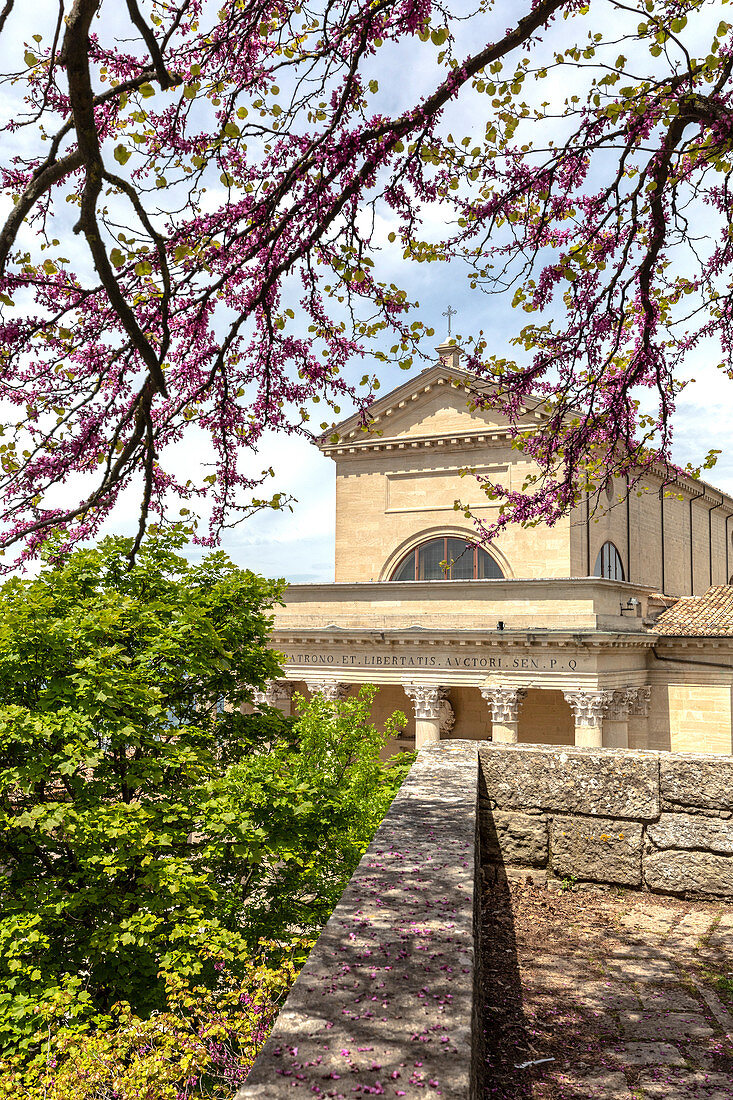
(612, 628)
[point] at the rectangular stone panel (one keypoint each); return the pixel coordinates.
(602, 782)
(690, 831)
(597, 849)
(689, 872)
(515, 838)
(701, 781)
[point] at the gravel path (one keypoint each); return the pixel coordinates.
(607, 994)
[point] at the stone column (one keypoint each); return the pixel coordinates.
(504, 703)
(331, 690)
(616, 720)
(278, 694)
(588, 707)
(639, 718)
(431, 715)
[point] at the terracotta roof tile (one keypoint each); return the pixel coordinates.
(709, 615)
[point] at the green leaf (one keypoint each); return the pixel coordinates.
(122, 155)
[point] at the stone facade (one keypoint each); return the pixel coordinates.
(397, 486)
(547, 653)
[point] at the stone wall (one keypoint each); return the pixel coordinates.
(650, 820)
(387, 1003)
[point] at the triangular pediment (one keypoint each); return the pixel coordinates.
(438, 403)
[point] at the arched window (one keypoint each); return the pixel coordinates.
(609, 564)
(463, 562)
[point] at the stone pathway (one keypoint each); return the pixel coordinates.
(607, 994)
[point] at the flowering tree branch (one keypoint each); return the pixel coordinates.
(222, 273)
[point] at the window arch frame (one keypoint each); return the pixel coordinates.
(414, 553)
(616, 559)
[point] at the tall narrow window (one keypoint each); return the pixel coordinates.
(609, 564)
(460, 562)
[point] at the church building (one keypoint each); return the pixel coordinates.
(614, 627)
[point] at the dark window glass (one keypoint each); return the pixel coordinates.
(429, 557)
(460, 558)
(406, 570)
(608, 563)
(486, 567)
(463, 562)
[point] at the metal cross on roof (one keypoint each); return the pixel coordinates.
(450, 313)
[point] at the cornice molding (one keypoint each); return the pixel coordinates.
(431, 637)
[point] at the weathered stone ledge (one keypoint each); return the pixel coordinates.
(388, 1001)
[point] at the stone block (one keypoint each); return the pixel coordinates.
(650, 1054)
(601, 1086)
(698, 780)
(691, 831)
(669, 1027)
(644, 970)
(690, 929)
(516, 838)
(686, 1085)
(722, 935)
(649, 920)
(689, 872)
(599, 782)
(599, 849)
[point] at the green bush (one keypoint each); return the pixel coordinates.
(316, 805)
(113, 747)
(150, 833)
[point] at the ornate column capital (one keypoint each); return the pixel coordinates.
(620, 705)
(639, 704)
(428, 701)
(277, 691)
(331, 690)
(588, 707)
(504, 703)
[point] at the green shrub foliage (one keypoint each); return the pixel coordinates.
(113, 745)
(147, 826)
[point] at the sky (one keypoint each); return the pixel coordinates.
(298, 544)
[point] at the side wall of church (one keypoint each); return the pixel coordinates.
(387, 501)
(635, 528)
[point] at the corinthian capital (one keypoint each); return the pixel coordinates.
(640, 702)
(504, 703)
(426, 699)
(277, 691)
(331, 690)
(588, 707)
(620, 705)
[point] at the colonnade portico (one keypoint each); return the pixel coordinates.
(601, 716)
